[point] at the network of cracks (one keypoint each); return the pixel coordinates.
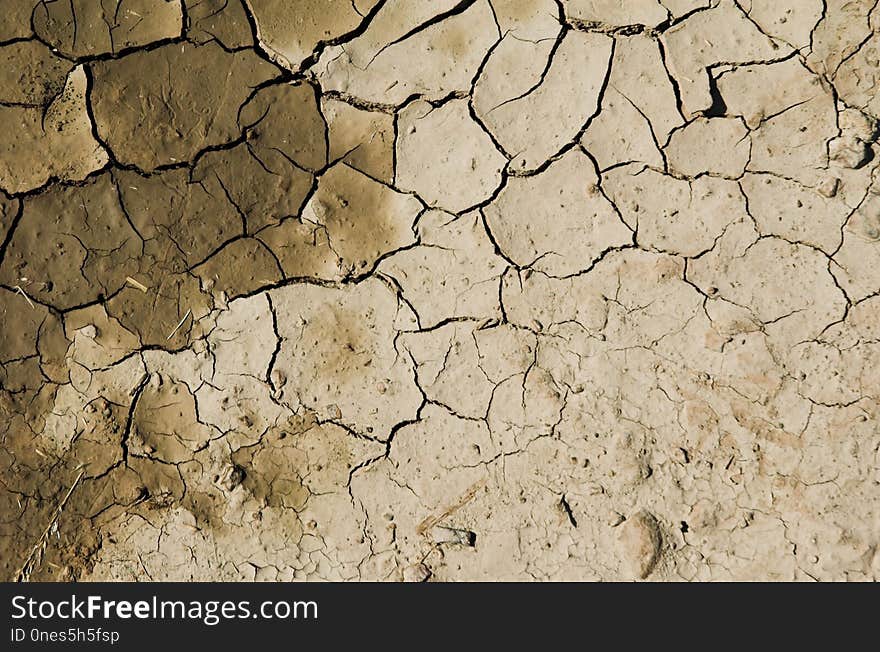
(439, 290)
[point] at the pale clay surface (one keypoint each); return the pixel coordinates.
(440, 290)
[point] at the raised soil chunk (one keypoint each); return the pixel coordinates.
(162, 107)
(42, 143)
(85, 28)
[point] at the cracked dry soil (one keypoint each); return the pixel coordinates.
(439, 289)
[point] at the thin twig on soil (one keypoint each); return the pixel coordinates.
(36, 554)
(179, 324)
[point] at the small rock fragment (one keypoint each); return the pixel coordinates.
(857, 124)
(231, 477)
(849, 152)
(278, 378)
(88, 331)
(640, 542)
(828, 187)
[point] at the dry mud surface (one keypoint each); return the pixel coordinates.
(439, 290)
